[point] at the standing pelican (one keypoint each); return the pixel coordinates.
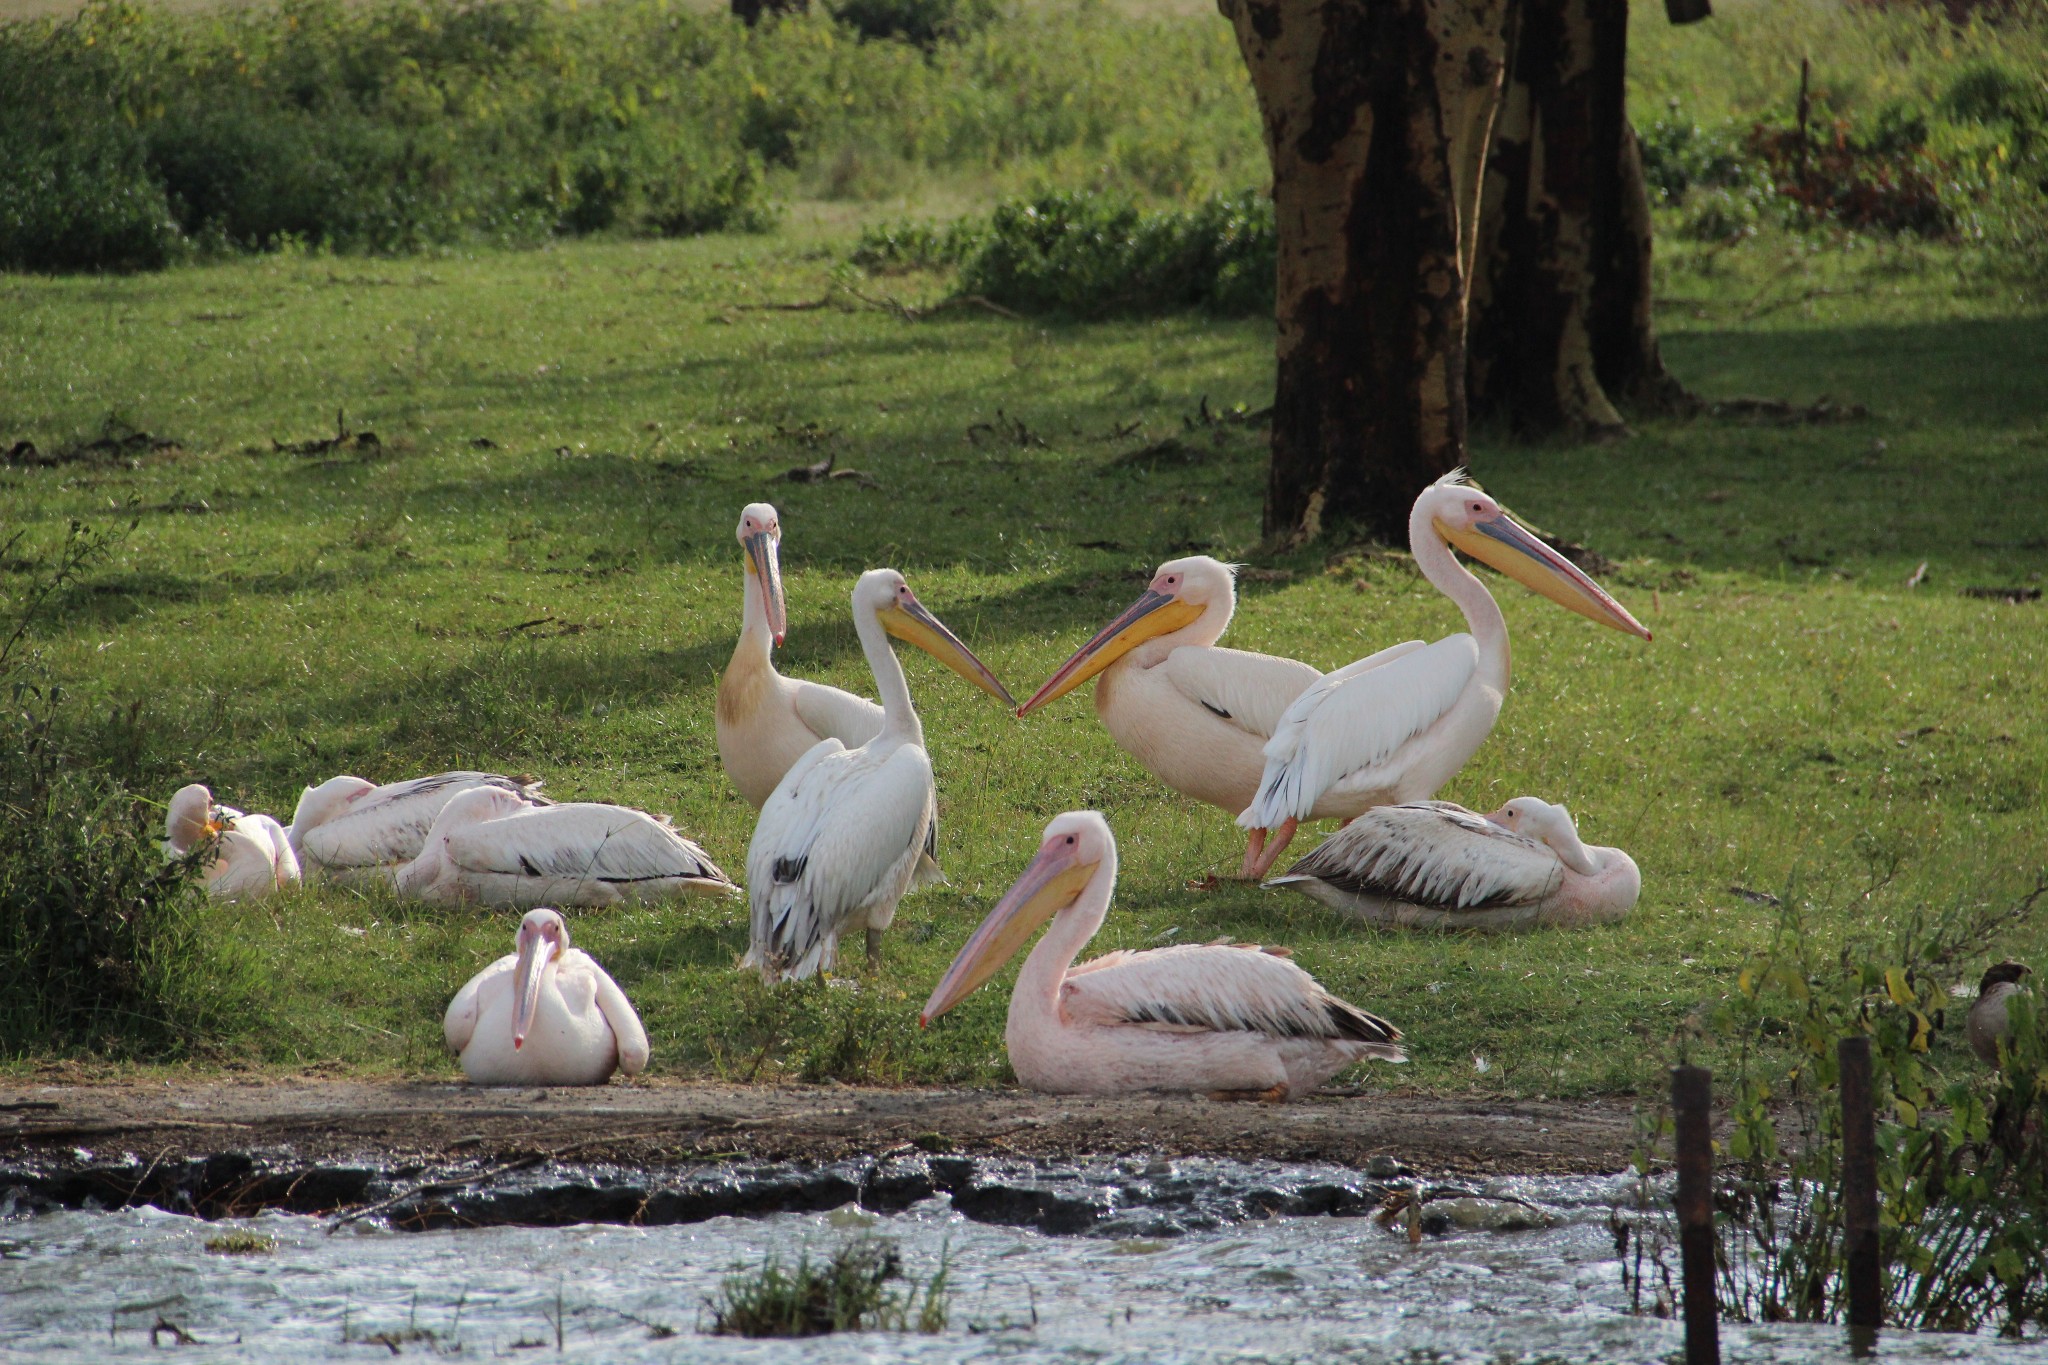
(254, 855)
(1436, 865)
(1395, 726)
(1195, 716)
(544, 1015)
(840, 838)
(350, 829)
(1232, 1020)
(489, 846)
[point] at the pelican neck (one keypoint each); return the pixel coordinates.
(1451, 578)
(899, 714)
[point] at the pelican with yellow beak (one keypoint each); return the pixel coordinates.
(1235, 1021)
(252, 857)
(1194, 715)
(1394, 727)
(845, 831)
(546, 1014)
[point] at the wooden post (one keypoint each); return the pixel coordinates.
(1692, 1103)
(1859, 1185)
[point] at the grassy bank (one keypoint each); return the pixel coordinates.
(532, 569)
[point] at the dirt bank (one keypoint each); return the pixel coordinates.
(396, 1124)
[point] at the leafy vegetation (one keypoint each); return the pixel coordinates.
(850, 1292)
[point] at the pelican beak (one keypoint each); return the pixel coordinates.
(1048, 886)
(764, 561)
(537, 948)
(212, 827)
(1510, 547)
(1152, 615)
(909, 620)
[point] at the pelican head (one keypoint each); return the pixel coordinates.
(472, 807)
(884, 594)
(189, 818)
(1075, 846)
(760, 535)
(1549, 825)
(1464, 517)
(543, 938)
(1183, 592)
(318, 805)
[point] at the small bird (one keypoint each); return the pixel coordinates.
(349, 829)
(1988, 1023)
(1234, 1021)
(489, 846)
(254, 855)
(1436, 865)
(546, 1014)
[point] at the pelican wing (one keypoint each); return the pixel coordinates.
(1355, 719)
(619, 1014)
(582, 841)
(458, 1026)
(1251, 691)
(1435, 854)
(1216, 988)
(833, 713)
(841, 825)
(389, 824)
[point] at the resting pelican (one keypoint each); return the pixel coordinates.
(488, 846)
(254, 856)
(1436, 865)
(349, 829)
(1234, 1020)
(544, 1015)
(1395, 726)
(1195, 716)
(840, 838)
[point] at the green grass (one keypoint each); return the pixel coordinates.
(1804, 724)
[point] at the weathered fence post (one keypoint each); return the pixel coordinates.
(1692, 1102)
(1859, 1187)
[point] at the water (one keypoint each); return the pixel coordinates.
(89, 1286)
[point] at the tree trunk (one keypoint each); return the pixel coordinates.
(1377, 115)
(1561, 325)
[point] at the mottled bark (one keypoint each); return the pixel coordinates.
(1377, 115)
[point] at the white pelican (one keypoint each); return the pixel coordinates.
(1395, 726)
(1436, 865)
(254, 855)
(350, 829)
(544, 1015)
(1195, 716)
(1232, 1020)
(1990, 1020)
(841, 837)
(489, 846)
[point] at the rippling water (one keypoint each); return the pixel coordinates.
(91, 1286)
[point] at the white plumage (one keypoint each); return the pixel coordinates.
(253, 857)
(545, 1014)
(351, 829)
(489, 846)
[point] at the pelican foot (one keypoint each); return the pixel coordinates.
(1275, 1094)
(1254, 848)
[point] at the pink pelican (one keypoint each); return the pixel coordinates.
(1394, 727)
(544, 1015)
(350, 829)
(842, 837)
(1436, 865)
(1195, 716)
(253, 857)
(1232, 1020)
(489, 847)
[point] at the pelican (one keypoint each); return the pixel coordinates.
(544, 1015)
(488, 846)
(253, 857)
(1394, 727)
(840, 838)
(351, 830)
(1195, 716)
(1990, 1021)
(1232, 1020)
(1436, 865)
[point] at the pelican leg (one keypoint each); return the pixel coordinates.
(1254, 845)
(1282, 836)
(1275, 1094)
(874, 948)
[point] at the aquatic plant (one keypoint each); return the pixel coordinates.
(849, 1292)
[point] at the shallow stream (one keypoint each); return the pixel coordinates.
(1184, 1279)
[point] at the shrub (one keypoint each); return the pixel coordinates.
(848, 1293)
